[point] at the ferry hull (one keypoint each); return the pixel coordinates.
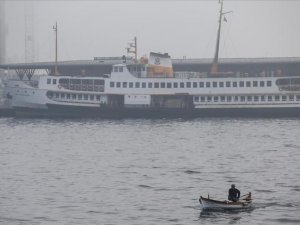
(54, 110)
(6, 112)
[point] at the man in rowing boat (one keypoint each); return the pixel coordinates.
(233, 194)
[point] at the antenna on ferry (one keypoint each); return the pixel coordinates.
(55, 30)
(132, 48)
(214, 66)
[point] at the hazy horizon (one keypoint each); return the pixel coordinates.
(88, 29)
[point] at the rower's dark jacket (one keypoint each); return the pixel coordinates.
(234, 193)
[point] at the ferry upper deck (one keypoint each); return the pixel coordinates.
(285, 66)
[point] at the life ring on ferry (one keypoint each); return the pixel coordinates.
(59, 86)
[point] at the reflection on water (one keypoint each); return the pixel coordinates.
(147, 171)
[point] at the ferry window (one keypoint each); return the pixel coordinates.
(115, 69)
(92, 97)
(86, 81)
(169, 85)
(98, 97)
(216, 98)
(56, 95)
(277, 98)
(269, 83)
(137, 84)
(163, 85)
(207, 84)
(118, 84)
(79, 97)
(144, 85)
(98, 82)
(227, 83)
(248, 83)
(249, 98)
(236, 98)
(73, 81)
(112, 84)
(86, 97)
(222, 98)
(149, 85)
(228, 98)
(196, 98)
(243, 98)
(262, 98)
(175, 85)
(73, 96)
(262, 84)
(54, 81)
(256, 98)
(194, 84)
(291, 97)
(202, 99)
(234, 84)
(298, 97)
(221, 84)
(201, 84)
(215, 84)
(284, 98)
(270, 98)
(63, 81)
(121, 69)
(208, 99)
(50, 94)
(156, 85)
(68, 96)
(255, 84)
(241, 84)
(62, 95)
(124, 84)
(181, 85)
(48, 81)
(130, 84)
(188, 84)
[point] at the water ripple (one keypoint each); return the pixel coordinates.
(82, 171)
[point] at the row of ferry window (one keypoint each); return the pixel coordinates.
(262, 98)
(191, 84)
(74, 96)
(66, 81)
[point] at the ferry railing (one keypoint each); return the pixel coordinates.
(188, 75)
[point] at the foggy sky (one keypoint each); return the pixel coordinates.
(181, 28)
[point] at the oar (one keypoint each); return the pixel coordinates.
(248, 196)
(244, 195)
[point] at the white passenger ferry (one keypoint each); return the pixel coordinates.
(150, 88)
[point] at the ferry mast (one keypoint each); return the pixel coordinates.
(55, 30)
(214, 66)
(132, 48)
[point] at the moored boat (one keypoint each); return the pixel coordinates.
(243, 203)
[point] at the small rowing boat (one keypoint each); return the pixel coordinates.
(244, 202)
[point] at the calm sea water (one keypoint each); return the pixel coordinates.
(147, 171)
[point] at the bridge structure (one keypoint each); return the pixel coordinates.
(285, 66)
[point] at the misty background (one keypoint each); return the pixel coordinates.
(87, 29)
